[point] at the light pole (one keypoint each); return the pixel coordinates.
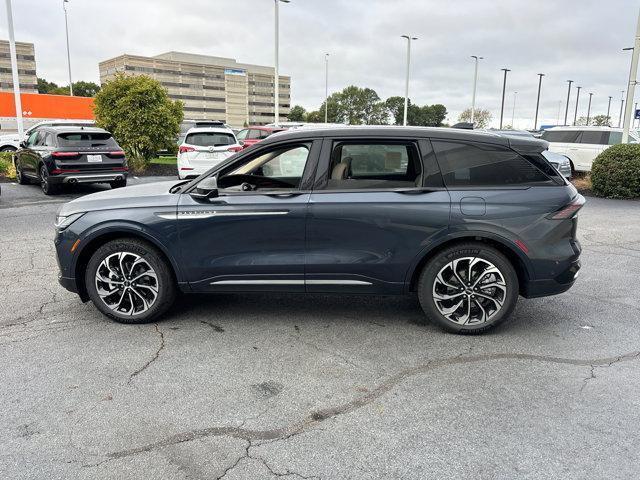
(575, 114)
(276, 82)
(513, 111)
(566, 110)
(535, 122)
(621, 107)
(504, 87)
(406, 84)
(589, 109)
(14, 71)
(326, 86)
(66, 28)
(559, 110)
(635, 107)
(475, 84)
(631, 90)
(609, 110)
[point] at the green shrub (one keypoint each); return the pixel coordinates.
(616, 172)
(6, 165)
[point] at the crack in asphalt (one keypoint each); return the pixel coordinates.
(321, 415)
(152, 359)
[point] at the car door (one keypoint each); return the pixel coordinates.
(28, 156)
(377, 203)
(250, 238)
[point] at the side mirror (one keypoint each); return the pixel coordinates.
(207, 188)
(23, 144)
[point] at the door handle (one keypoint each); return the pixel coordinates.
(413, 190)
(284, 195)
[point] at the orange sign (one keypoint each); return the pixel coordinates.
(35, 105)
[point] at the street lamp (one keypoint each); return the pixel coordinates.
(277, 75)
(406, 84)
(513, 112)
(566, 110)
(66, 28)
(575, 114)
(14, 71)
(475, 83)
(535, 122)
(609, 110)
(621, 107)
(504, 87)
(326, 86)
(631, 90)
(589, 109)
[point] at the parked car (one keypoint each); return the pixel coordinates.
(467, 220)
(581, 145)
(56, 156)
(11, 142)
(204, 148)
(252, 135)
(559, 162)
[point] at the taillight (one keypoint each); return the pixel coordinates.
(185, 149)
(117, 153)
(234, 149)
(120, 169)
(65, 154)
(568, 210)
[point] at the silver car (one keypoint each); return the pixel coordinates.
(560, 162)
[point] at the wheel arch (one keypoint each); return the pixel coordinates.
(95, 241)
(520, 262)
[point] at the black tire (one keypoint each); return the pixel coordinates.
(165, 280)
(20, 178)
(7, 149)
(47, 187)
(119, 183)
(460, 251)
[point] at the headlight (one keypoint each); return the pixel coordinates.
(63, 221)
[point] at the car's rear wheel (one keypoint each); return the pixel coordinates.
(48, 188)
(20, 178)
(468, 288)
(119, 183)
(7, 148)
(129, 281)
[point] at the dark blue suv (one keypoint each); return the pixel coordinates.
(467, 220)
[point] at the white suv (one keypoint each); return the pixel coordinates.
(11, 142)
(203, 148)
(581, 145)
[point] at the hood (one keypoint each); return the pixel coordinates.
(137, 196)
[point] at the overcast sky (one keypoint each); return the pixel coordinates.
(568, 39)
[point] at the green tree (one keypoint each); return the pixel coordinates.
(425, 116)
(395, 106)
(44, 86)
(481, 118)
(315, 117)
(297, 114)
(140, 114)
(80, 89)
(601, 121)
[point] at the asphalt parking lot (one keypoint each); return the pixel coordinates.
(265, 386)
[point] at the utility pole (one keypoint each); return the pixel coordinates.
(504, 87)
(14, 71)
(535, 122)
(575, 114)
(631, 90)
(475, 84)
(566, 110)
(326, 87)
(66, 28)
(406, 84)
(513, 112)
(589, 109)
(609, 110)
(276, 82)
(621, 107)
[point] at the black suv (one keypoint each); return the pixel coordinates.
(467, 220)
(53, 156)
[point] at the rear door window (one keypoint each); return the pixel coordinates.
(561, 136)
(594, 137)
(465, 164)
(86, 139)
(210, 139)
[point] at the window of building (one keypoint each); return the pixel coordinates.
(484, 165)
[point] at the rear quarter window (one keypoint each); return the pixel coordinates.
(466, 164)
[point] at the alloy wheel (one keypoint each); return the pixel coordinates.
(44, 179)
(126, 283)
(469, 291)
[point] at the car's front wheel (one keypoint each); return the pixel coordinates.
(468, 288)
(20, 177)
(129, 281)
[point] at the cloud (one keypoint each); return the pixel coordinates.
(571, 39)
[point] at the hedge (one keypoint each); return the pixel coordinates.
(616, 172)
(6, 165)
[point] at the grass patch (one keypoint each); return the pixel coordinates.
(165, 161)
(582, 182)
(6, 166)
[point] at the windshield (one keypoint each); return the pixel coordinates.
(210, 139)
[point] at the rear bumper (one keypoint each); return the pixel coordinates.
(73, 178)
(553, 286)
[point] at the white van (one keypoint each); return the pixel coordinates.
(581, 145)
